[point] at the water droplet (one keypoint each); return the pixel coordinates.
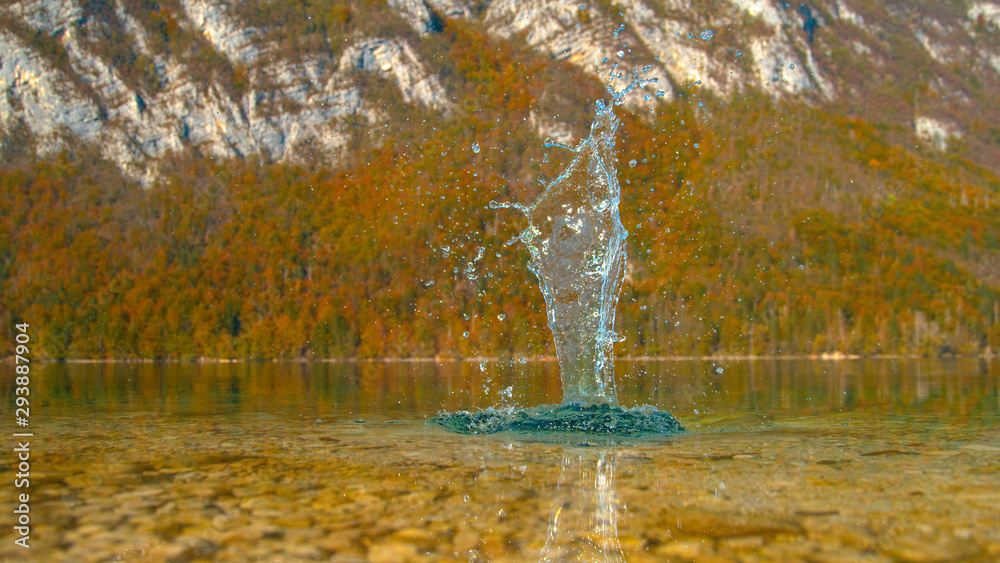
(718, 370)
(501, 316)
(696, 411)
(466, 498)
(475, 148)
(706, 35)
(632, 163)
(792, 65)
(465, 334)
(696, 145)
(621, 54)
(430, 283)
(660, 93)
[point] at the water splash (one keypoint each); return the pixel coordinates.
(591, 420)
(583, 525)
(577, 244)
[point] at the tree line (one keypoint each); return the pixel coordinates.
(756, 227)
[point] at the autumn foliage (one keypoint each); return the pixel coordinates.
(755, 228)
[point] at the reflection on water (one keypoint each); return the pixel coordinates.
(584, 521)
(882, 460)
(699, 391)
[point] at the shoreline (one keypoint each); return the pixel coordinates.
(828, 357)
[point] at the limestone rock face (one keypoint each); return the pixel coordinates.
(97, 73)
(426, 17)
(396, 61)
(937, 131)
(568, 30)
(38, 97)
(286, 104)
(237, 43)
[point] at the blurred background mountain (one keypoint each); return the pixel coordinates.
(263, 179)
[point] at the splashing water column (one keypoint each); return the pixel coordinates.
(577, 245)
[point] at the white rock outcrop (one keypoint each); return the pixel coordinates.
(938, 132)
(986, 12)
(211, 18)
(765, 10)
(781, 69)
(63, 87)
(46, 16)
(552, 129)
(397, 61)
(425, 16)
(285, 106)
(581, 35)
(679, 51)
(37, 95)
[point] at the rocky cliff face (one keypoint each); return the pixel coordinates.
(140, 80)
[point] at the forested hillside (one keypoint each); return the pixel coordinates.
(759, 224)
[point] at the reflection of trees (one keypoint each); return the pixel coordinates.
(583, 525)
(968, 388)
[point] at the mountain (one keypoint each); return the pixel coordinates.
(802, 178)
(273, 80)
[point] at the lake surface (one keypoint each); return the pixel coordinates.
(784, 460)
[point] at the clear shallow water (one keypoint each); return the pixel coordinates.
(783, 461)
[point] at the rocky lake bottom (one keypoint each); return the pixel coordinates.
(151, 472)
